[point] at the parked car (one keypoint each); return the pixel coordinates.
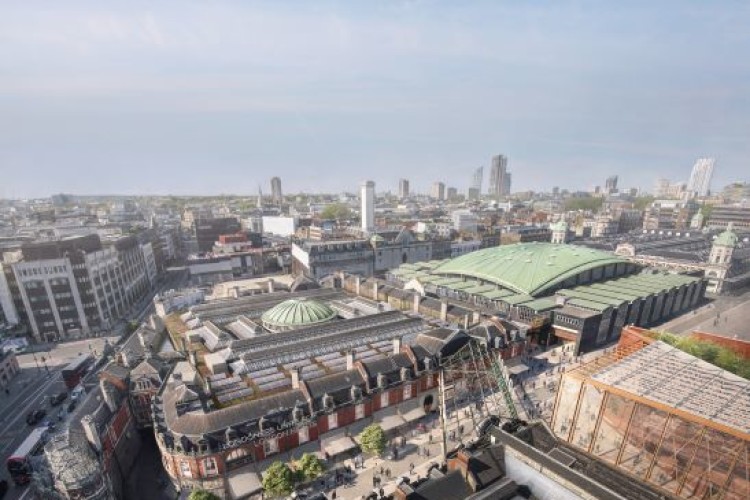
(3, 488)
(35, 417)
(58, 398)
(72, 405)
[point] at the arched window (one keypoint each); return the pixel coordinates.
(237, 454)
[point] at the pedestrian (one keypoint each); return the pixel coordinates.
(333, 495)
(382, 470)
(388, 473)
(374, 481)
(411, 468)
(382, 493)
(430, 438)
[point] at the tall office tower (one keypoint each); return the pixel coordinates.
(367, 193)
(499, 185)
(700, 178)
(276, 195)
(451, 193)
(477, 178)
(610, 185)
(438, 191)
(403, 188)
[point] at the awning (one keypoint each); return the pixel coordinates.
(338, 445)
(243, 481)
(413, 414)
(392, 422)
(516, 368)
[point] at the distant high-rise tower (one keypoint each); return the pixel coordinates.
(367, 193)
(403, 188)
(276, 190)
(610, 185)
(475, 191)
(499, 177)
(438, 191)
(700, 178)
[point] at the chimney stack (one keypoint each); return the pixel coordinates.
(444, 310)
(270, 285)
(357, 284)
(415, 303)
(92, 434)
(374, 290)
(108, 394)
(296, 377)
(350, 360)
(396, 345)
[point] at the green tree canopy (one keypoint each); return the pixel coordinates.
(589, 203)
(310, 466)
(372, 439)
(720, 356)
(337, 211)
(278, 479)
(202, 495)
(642, 202)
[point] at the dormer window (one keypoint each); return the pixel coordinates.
(382, 381)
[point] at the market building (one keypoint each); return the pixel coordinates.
(571, 293)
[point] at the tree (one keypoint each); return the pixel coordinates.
(202, 495)
(372, 439)
(337, 211)
(278, 479)
(310, 466)
(584, 203)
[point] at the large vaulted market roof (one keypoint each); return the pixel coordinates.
(530, 268)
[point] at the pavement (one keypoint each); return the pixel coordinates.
(725, 315)
(534, 394)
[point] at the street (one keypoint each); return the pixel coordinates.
(31, 389)
(726, 315)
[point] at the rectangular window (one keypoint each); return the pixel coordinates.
(333, 421)
(303, 435)
(359, 411)
(185, 469)
(271, 446)
(384, 399)
(407, 391)
(209, 467)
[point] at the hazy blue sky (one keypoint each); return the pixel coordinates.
(216, 97)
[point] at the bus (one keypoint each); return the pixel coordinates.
(76, 369)
(21, 462)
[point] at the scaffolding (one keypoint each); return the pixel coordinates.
(473, 381)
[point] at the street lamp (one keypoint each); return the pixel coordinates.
(36, 361)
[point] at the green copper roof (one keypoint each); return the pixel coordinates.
(727, 239)
(296, 313)
(528, 268)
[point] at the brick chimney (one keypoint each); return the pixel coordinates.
(416, 299)
(270, 285)
(444, 310)
(296, 377)
(374, 290)
(357, 284)
(396, 345)
(350, 357)
(92, 433)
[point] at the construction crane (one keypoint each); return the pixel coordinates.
(473, 377)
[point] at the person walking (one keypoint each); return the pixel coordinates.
(388, 473)
(411, 468)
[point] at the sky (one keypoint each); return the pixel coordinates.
(216, 97)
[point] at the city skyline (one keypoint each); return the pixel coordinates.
(212, 99)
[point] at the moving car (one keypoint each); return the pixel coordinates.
(58, 398)
(35, 417)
